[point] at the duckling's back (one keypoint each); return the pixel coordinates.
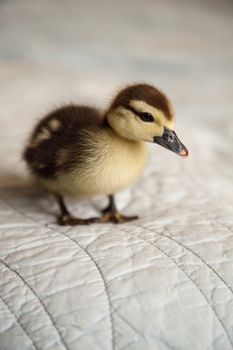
(57, 134)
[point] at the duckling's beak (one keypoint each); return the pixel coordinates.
(170, 141)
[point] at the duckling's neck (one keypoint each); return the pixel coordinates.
(124, 142)
(128, 150)
(115, 136)
(118, 162)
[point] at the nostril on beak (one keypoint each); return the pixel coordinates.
(170, 138)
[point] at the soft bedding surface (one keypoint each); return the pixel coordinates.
(164, 281)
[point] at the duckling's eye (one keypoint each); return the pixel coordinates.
(146, 117)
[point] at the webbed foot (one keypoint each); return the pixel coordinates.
(69, 220)
(116, 218)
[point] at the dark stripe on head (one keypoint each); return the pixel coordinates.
(142, 92)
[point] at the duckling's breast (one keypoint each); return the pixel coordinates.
(109, 164)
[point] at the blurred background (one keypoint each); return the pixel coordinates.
(55, 51)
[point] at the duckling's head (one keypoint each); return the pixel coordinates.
(143, 113)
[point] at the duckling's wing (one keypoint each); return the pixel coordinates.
(59, 139)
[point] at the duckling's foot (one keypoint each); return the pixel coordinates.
(116, 218)
(65, 218)
(69, 220)
(110, 213)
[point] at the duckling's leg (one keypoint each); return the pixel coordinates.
(110, 213)
(66, 218)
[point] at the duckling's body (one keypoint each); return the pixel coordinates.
(81, 152)
(73, 152)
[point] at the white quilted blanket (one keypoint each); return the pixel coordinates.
(162, 282)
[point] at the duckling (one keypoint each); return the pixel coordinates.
(82, 152)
